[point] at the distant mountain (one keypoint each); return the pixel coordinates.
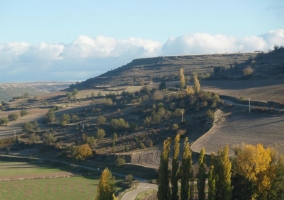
(165, 68)
(10, 90)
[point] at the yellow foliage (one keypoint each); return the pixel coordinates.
(84, 151)
(254, 163)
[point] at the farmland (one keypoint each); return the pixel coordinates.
(21, 180)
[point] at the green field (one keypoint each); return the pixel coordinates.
(57, 188)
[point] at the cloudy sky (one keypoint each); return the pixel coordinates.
(68, 40)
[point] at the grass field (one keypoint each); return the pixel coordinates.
(83, 187)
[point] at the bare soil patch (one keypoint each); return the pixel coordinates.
(258, 90)
(250, 129)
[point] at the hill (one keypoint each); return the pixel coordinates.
(10, 90)
(145, 70)
(237, 66)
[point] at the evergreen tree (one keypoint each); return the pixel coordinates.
(106, 187)
(163, 179)
(185, 170)
(223, 167)
(181, 78)
(175, 166)
(201, 175)
(211, 180)
(196, 85)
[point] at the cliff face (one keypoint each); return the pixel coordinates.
(165, 68)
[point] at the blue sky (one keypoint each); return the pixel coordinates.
(62, 40)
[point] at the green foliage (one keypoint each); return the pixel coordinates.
(163, 179)
(24, 112)
(108, 102)
(34, 138)
(101, 120)
(4, 121)
(119, 162)
(13, 117)
(49, 116)
(74, 92)
(100, 133)
(223, 167)
(91, 141)
(119, 124)
(211, 180)
(175, 168)
(210, 114)
(65, 119)
(114, 136)
(147, 121)
(201, 175)
(27, 127)
(49, 138)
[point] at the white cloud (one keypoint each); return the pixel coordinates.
(87, 57)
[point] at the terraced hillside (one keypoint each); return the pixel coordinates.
(144, 70)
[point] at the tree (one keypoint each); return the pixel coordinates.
(223, 167)
(4, 121)
(119, 162)
(27, 127)
(106, 187)
(211, 180)
(114, 136)
(83, 151)
(185, 170)
(91, 141)
(65, 119)
(175, 168)
(158, 95)
(247, 71)
(13, 117)
(201, 175)
(196, 85)
(100, 133)
(101, 120)
(49, 116)
(49, 138)
(254, 164)
(75, 92)
(163, 179)
(181, 78)
(24, 112)
(162, 85)
(69, 95)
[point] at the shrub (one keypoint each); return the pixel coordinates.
(119, 162)
(83, 151)
(13, 117)
(101, 120)
(175, 126)
(247, 71)
(210, 114)
(108, 102)
(158, 95)
(27, 127)
(119, 124)
(4, 121)
(49, 138)
(24, 113)
(100, 133)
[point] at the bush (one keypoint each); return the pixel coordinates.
(175, 126)
(49, 138)
(13, 117)
(108, 102)
(158, 95)
(27, 127)
(49, 116)
(100, 134)
(83, 151)
(119, 124)
(210, 114)
(247, 71)
(101, 120)
(119, 162)
(4, 121)
(24, 113)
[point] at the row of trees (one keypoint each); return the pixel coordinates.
(12, 117)
(254, 173)
(196, 84)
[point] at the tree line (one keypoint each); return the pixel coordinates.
(254, 172)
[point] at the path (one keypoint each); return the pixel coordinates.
(140, 188)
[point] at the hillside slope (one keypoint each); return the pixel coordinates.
(165, 68)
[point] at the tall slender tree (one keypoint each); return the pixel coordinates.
(211, 179)
(196, 85)
(106, 187)
(181, 78)
(163, 179)
(201, 175)
(175, 168)
(185, 170)
(223, 167)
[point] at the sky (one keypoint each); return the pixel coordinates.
(68, 40)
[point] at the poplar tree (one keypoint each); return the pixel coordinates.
(223, 167)
(211, 180)
(201, 175)
(181, 78)
(163, 179)
(185, 170)
(106, 187)
(175, 168)
(196, 85)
